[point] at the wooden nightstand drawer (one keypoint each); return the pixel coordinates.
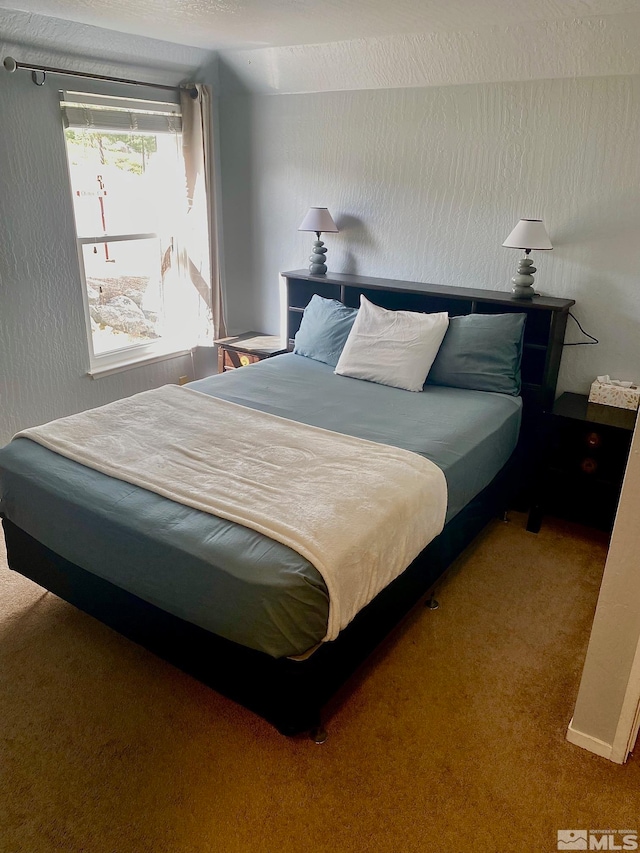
(245, 349)
(235, 358)
(583, 462)
(590, 450)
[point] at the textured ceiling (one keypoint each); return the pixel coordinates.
(220, 24)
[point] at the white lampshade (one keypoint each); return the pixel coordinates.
(318, 219)
(528, 234)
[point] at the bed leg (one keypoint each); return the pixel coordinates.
(432, 603)
(505, 516)
(318, 734)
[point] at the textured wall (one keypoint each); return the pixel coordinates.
(229, 23)
(43, 351)
(426, 184)
(66, 44)
(468, 51)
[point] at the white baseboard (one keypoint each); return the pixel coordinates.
(599, 747)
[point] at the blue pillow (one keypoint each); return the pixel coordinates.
(481, 352)
(324, 329)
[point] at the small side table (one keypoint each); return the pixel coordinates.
(240, 350)
(584, 456)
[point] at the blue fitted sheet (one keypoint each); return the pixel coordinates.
(217, 574)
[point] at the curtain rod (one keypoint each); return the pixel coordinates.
(11, 65)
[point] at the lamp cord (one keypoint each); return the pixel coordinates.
(581, 343)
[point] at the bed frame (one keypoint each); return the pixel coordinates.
(289, 693)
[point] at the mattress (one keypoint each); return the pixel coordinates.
(217, 574)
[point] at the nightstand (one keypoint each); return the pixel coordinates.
(584, 454)
(240, 350)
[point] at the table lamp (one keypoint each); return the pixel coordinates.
(318, 219)
(528, 234)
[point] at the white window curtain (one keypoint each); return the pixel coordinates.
(199, 244)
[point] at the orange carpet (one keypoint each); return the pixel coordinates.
(452, 740)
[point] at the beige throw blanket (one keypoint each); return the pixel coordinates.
(357, 510)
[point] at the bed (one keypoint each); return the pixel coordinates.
(243, 613)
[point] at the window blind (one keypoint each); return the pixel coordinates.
(97, 112)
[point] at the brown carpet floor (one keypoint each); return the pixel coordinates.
(452, 740)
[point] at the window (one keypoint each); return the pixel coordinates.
(129, 195)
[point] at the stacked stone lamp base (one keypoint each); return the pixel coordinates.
(318, 257)
(523, 281)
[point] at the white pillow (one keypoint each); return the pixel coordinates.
(392, 347)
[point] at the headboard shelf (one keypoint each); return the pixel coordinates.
(544, 329)
(538, 303)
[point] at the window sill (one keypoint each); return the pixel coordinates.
(99, 372)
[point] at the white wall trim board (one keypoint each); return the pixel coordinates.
(599, 747)
(108, 370)
(608, 698)
(629, 721)
(577, 47)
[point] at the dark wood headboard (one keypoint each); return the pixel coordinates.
(543, 335)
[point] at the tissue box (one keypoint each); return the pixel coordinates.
(614, 395)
